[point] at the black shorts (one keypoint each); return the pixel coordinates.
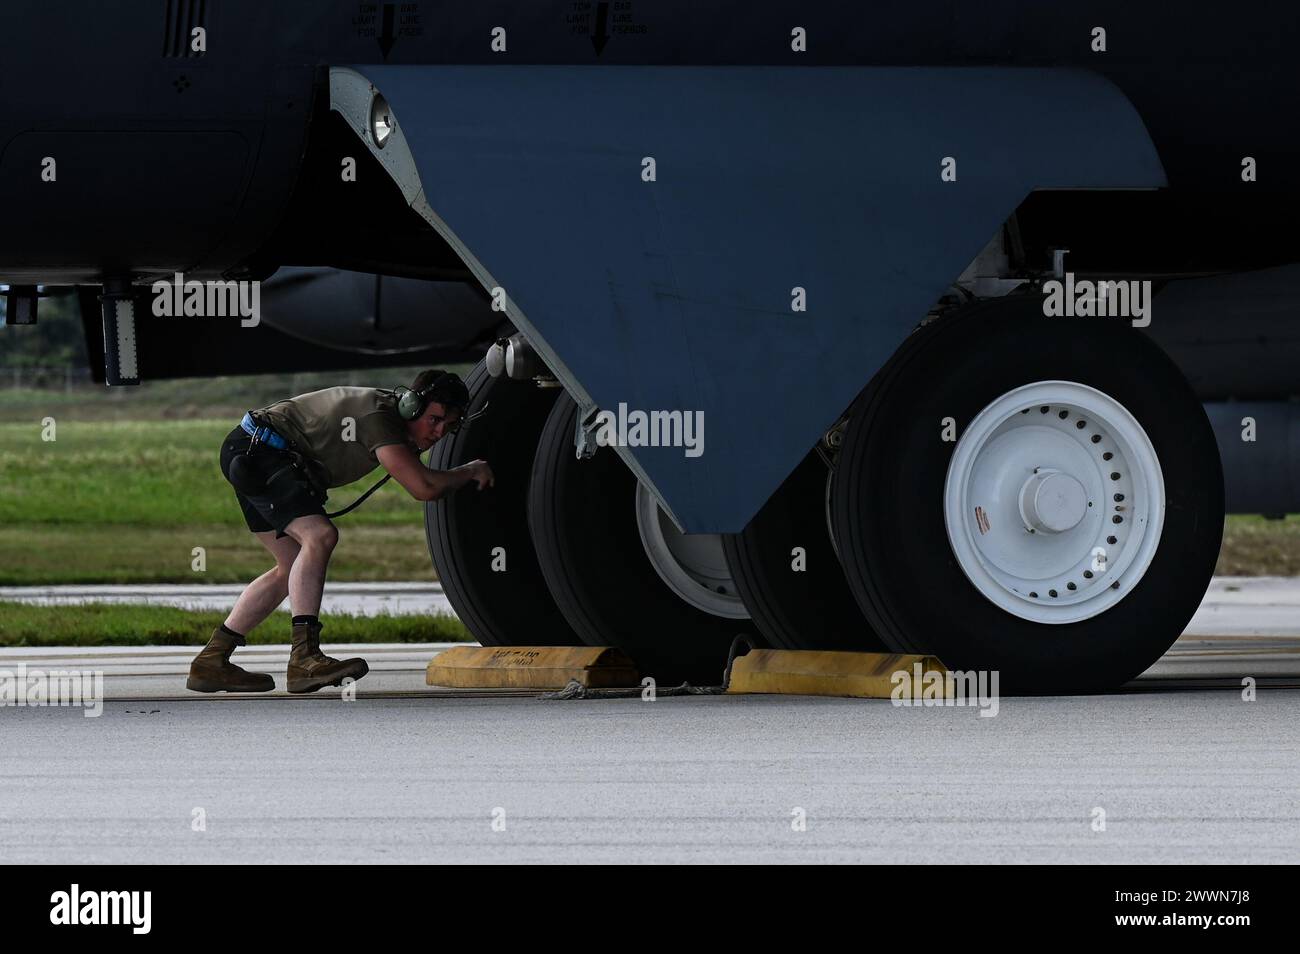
(273, 510)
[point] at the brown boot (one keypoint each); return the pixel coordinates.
(212, 670)
(310, 669)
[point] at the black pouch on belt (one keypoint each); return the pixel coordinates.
(248, 473)
(285, 480)
(271, 473)
(295, 471)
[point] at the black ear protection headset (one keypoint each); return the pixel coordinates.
(446, 388)
(411, 404)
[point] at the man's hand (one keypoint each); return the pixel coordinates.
(423, 483)
(480, 472)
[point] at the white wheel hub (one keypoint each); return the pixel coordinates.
(694, 566)
(1054, 502)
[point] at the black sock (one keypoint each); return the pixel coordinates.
(312, 620)
(239, 637)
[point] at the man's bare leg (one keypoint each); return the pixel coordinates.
(261, 597)
(310, 669)
(316, 538)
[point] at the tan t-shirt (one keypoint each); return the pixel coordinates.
(318, 424)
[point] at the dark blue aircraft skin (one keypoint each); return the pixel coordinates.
(189, 160)
(776, 168)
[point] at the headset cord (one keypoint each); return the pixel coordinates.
(360, 500)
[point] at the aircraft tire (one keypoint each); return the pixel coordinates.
(1036, 496)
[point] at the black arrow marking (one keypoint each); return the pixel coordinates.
(598, 37)
(386, 38)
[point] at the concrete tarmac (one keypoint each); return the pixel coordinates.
(1175, 776)
(1166, 770)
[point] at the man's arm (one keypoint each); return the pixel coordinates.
(421, 482)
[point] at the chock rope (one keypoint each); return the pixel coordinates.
(576, 690)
